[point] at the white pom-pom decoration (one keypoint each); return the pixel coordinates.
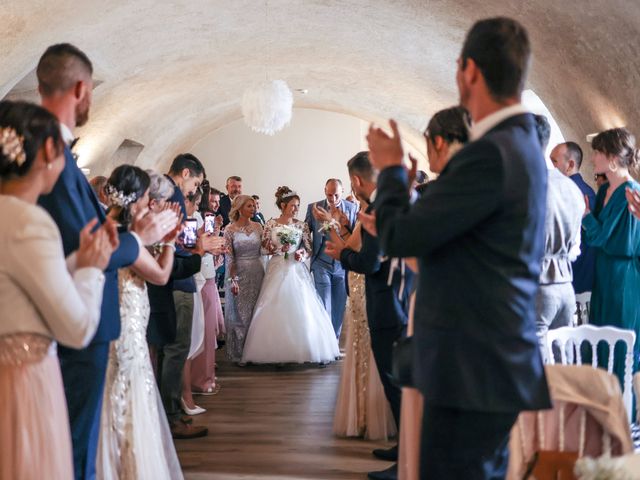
(267, 107)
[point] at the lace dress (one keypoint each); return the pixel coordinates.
(290, 324)
(135, 440)
(243, 244)
(362, 410)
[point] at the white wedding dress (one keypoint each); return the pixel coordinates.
(290, 324)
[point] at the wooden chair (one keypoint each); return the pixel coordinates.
(572, 338)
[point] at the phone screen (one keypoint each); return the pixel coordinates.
(190, 232)
(209, 223)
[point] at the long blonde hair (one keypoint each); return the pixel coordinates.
(239, 202)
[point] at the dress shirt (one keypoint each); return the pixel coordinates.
(480, 128)
(67, 134)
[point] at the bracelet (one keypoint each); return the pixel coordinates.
(170, 245)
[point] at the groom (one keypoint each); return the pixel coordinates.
(64, 82)
(328, 274)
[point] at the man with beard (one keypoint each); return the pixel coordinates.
(478, 231)
(64, 82)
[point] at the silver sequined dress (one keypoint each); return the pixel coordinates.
(243, 244)
(135, 440)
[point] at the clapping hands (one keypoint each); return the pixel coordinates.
(385, 150)
(154, 227)
(96, 247)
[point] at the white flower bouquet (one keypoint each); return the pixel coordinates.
(288, 236)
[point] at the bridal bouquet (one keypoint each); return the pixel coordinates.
(288, 236)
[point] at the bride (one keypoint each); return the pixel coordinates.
(290, 324)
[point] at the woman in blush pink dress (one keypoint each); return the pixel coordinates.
(203, 373)
(43, 299)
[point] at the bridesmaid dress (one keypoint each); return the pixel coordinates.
(362, 409)
(135, 440)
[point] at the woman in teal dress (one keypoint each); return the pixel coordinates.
(615, 234)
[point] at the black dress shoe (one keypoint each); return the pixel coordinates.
(388, 454)
(390, 473)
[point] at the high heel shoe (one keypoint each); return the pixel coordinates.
(191, 411)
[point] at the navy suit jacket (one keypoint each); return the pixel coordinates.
(478, 231)
(585, 265)
(225, 209)
(72, 204)
(162, 319)
(318, 237)
(384, 308)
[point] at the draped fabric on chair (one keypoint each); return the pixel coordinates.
(588, 419)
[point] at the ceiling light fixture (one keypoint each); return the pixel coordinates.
(267, 107)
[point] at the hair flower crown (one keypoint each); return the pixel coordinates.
(117, 197)
(12, 145)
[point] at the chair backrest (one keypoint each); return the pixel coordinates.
(574, 337)
(583, 308)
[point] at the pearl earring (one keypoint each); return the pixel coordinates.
(49, 166)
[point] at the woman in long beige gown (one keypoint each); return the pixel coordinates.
(362, 409)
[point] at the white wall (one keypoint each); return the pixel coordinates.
(315, 146)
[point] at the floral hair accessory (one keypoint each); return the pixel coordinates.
(12, 145)
(117, 197)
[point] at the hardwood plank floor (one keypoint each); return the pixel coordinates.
(273, 423)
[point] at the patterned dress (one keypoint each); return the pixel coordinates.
(362, 409)
(135, 440)
(243, 245)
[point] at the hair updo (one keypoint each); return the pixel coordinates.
(619, 143)
(126, 181)
(451, 124)
(24, 128)
(284, 195)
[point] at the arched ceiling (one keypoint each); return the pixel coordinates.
(171, 72)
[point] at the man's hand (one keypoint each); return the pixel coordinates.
(633, 198)
(320, 214)
(153, 227)
(213, 244)
(385, 151)
(111, 229)
(368, 221)
(334, 249)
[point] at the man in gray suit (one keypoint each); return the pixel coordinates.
(556, 300)
(328, 274)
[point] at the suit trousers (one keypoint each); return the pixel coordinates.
(330, 285)
(83, 375)
(382, 341)
(464, 445)
(555, 307)
(174, 355)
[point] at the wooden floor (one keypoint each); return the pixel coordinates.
(273, 423)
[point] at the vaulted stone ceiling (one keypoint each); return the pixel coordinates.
(171, 72)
